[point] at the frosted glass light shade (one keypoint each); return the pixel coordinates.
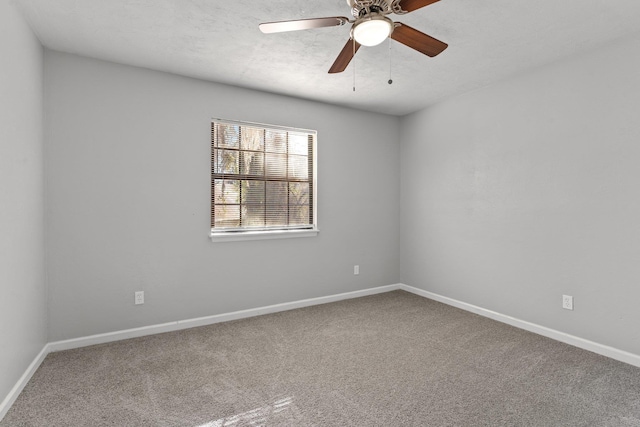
(372, 32)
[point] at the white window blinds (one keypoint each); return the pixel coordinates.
(262, 177)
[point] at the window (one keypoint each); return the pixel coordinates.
(263, 181)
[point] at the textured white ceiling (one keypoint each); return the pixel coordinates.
(219, 41)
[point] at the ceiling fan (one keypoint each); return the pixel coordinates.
(371, 27)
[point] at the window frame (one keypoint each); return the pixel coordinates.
(310, 230)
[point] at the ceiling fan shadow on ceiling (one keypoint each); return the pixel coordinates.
(371, 27)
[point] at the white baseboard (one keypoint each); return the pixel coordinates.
(209, 320)
(22, 382)
(613, 353)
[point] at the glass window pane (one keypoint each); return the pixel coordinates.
(252, 139)
(277, 215)
(228, 136)
(226, 191)
(298, 143)
(299, 193)
(276, 165)
(253, 192)
(227, 216)
(298, 167)
(253, 215)
(276, 141)
(252, 163)
(298, 215)
(277, 193)
(225, 161)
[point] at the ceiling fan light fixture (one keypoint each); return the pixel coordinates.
(372, 30)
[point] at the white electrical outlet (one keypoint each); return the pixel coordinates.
(356, 270)
(567, 302)
(139, 298)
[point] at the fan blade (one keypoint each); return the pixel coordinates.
(302, 24)
(411, 5)
(347, 53)
(417, 40)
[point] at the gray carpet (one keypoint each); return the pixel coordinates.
(393, 359)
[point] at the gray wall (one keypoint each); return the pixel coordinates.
(517, 193)
(22, 290)
(128, 193)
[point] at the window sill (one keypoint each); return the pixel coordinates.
(261, 235)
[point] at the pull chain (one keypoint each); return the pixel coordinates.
(354, 65)
(390, 81)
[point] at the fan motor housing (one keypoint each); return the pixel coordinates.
(360, 8)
